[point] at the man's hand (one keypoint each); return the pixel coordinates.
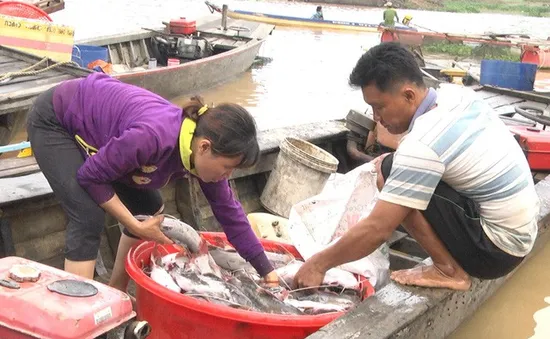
(310, 274)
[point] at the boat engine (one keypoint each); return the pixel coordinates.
(185, 48)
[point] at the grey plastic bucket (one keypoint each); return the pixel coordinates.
(301, 171)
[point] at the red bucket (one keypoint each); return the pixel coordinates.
(174, 315)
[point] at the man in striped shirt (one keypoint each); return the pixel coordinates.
(458, 182)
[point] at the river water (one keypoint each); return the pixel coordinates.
(307, 82)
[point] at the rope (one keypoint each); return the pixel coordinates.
(30, 70)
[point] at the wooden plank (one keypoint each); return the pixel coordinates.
(14, 66)
(5, 59)
(502, 100)
(13, 172)
(120, 50)
(118, 38)
(486, 94)
(17, 106)
(520, 94)
(30, 80)
(112, 54)
(143, 45)
(22, 188)
(11, 163)
(133, 56)
(32, 91)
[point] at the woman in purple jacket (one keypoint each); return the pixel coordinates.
(106, 146)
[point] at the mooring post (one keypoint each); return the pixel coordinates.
(224, 17)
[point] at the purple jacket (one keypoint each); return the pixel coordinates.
(136, 133)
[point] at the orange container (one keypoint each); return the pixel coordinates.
(173, 62)
(173, 315)
(183, 26)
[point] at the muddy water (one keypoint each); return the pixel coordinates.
(510, 313)
(307, 81)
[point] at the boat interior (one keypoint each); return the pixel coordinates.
(132, 52)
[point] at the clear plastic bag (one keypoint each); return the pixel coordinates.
(317, 222)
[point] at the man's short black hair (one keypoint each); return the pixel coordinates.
(386, 65)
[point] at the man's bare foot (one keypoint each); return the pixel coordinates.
(431, 276)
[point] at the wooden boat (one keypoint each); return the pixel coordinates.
(32, 225)
(532, 50)
(18, 92)
(231, 52)
(289, 21)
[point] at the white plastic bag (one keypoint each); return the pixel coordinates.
(319, 221)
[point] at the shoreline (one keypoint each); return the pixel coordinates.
(529, 8)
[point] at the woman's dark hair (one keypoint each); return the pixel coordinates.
(386, 65)
(319, 8)
(230, 128)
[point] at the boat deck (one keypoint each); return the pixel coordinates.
(17, 93)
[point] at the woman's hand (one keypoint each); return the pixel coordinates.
(149, 229)
(146, 230)
(271, 279)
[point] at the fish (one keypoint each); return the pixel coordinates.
(230, 259)
(334, 277)
(162, 277)
(279, 260)
(205, 264)
(179, 232)
(211, 288)
(261, 299)
(191, 282)
(221, 276)
(314, 307)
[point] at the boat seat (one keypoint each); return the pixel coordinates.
(18, 189)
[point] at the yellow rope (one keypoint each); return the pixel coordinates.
(28, 71)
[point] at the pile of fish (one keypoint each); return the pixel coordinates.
(222, 276)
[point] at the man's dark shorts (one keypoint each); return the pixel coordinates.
(455, 219)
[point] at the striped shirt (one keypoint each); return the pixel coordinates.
(464, 143)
